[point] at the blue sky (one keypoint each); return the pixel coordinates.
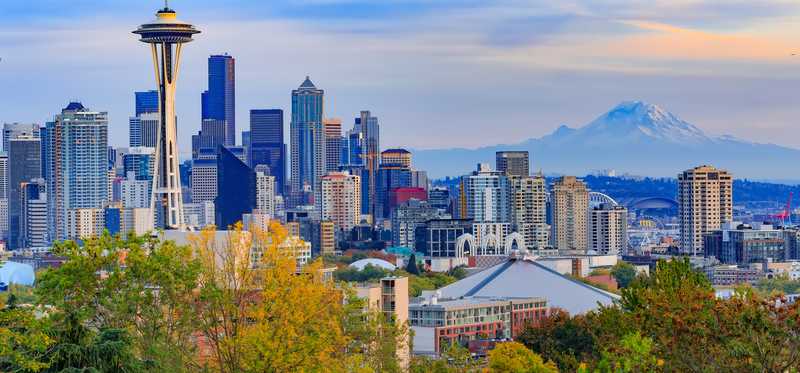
(438, 73)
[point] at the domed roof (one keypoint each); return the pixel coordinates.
(380, 263)
(17, 273)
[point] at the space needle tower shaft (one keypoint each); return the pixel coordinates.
(166, 34)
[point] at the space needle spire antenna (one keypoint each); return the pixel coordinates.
(166, 35)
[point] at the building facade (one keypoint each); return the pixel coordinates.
(219, 101)
(236, 194)
(608, 229)
(267, 146)
(307, 137)
(24, 165)
(569, 199)
(407, 217)
(333, 143)
(341, 200)
(486, 196)
(513, 163)
(529, 210)
(705, 202)
(77, 166)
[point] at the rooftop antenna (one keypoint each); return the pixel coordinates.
(166, 4)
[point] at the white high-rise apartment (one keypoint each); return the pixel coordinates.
(265, 194)
(608, 229)
(135, 193)
(204, 180)
(705, 202)
(485, 196)
(569, 199)
(529, 210)
(341, 199)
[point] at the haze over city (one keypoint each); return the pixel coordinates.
(389, 186)
(439, 74)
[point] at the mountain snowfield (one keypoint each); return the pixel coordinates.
(634, 137)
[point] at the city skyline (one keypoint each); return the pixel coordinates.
(705, 66)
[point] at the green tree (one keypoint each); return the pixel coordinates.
(412, 265)
(633, 354)
(624, 273)
(513, 357)
(23, 343)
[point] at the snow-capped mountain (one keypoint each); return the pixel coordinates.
(635, 137)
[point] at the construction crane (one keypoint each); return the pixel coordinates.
(785, 217)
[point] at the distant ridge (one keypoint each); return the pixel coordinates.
(634, 137)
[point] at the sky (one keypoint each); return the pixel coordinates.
(438, 73)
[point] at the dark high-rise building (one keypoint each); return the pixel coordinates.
(333, 143)
(212, 133)
(439, 197)
(12, 130)
(266, 145)
(367, 131)
(307, 140)
(438, 237)
(219, 101)
(513, 163)
(236, 189)
(389, 178)
(24, 165)
(146, 102)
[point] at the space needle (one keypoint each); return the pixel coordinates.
(166, 34)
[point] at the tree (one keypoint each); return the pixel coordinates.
(258, 313)
(565, 340)
(23, 344)
(514, 357)
(633, 354)
(138, 290)
(624, 273)
(412, 265)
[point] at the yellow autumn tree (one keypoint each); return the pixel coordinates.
(259, 313)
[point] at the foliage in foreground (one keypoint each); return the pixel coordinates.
(672, 321)
(141, 305)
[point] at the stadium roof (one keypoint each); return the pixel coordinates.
(523, 277)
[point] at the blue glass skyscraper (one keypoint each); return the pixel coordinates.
(266, 145)
(219, 101)
(146, 102)
(236, 189)
(307, 137)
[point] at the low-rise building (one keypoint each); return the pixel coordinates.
(438, 323)
(726, 275)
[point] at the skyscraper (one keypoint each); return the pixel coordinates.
(265, 193)
(513, 163)
(204, 176)
(333, 143)
(12, 130)
(77, 164)
(33, 220)
(307, 139)
(705, 202)
(163, 34)
(143, 129)
(146, 102)
(267, 146)
(485, 193)
(529, 210)
(369, 133)
(236, 193)
(341, 200)
(212, 133)
(219, 101)
(569, 207)
(4, 196)
(24, 164)
(608, 229)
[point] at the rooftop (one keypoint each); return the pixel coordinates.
(524, 277)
